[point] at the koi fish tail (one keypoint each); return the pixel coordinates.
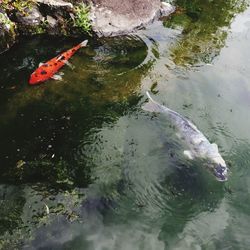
(84, 43)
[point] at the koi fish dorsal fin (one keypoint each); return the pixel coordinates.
(152, 105)
(84, 43)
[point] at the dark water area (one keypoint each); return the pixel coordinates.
(83, 166)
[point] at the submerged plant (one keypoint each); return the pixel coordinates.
(81, 19)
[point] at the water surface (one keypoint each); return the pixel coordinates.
(84, 167)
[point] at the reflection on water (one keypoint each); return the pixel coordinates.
(204, 28)
(84, 167)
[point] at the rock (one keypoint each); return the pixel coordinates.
(166, 9)
(7, 32)
(31, 17)
(30, 21)
(57, 17)
(58, 20)
(52, 22)
(115, 17)
(52, 25)
(56, 3)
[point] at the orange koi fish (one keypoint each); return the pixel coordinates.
(49, 69)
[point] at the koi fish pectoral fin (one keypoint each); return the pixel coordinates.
(69, 64)
(84, 43)
(188, 154)
(57, 77)
(40, 64)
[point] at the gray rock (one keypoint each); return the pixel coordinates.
(57, 14)
(32, 17)
(52, 22)
(108, 17)
(115, 17)
(53, 27)
(56, 3)
(166, 9)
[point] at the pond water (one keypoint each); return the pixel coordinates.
(84, 167)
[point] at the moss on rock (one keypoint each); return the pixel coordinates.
(76, 17)
(7, 32)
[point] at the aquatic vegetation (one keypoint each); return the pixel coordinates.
(36, 29)
(81, 19)
(37, 209)
(40, 29)
(204, 27)
(19, 5)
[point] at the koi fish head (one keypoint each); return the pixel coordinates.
(217, 164)
(40, 75)
(34, 79)
(218, 169)
(220, 172)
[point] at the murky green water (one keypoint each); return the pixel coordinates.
(84, 167)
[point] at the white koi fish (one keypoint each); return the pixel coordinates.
(199, 146)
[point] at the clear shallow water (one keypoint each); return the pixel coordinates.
(112, 175)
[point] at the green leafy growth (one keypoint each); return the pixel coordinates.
(82, 20)
(6, 21)
(8, 37)
(18, 5)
